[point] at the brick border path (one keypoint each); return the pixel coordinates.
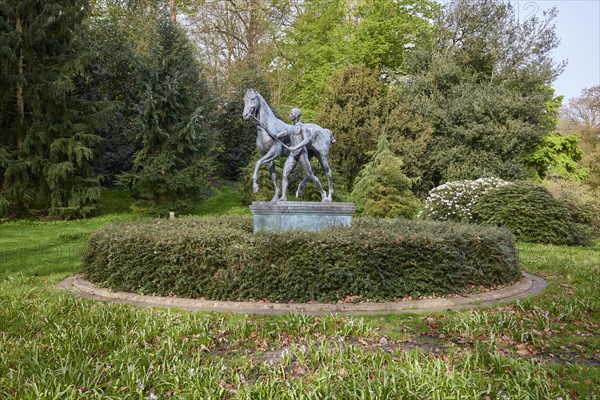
(528, 285)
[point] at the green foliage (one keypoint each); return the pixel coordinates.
(559, 155)
(310, 55)
(174, 163)
(352, 111)
(380, 33)
(381, 189)
(530, 212)
(48, 127)
(590, 143)
(116, 75)
(114, 202)
(454, 201)
(582, 201)
(236, 137)
(220, 258)
(483, 85)
(582, 115)
(227, 201)
(331, 35)
(409, 134)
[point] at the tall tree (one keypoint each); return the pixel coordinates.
(309, 55)
(484, 86)
(120, 37)
(327, 36)
(115, 76)
(352, 110)
(236, 35)
(47, 127)
(174, 163)
(409, 133)
(582, 115)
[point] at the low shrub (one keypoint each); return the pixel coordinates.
(220, 259)
(582, 201)
(531, 213)
(454, 201)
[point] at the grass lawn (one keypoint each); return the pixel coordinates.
(54, 345)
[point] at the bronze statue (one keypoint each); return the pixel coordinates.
(272, 137)
(299, 138)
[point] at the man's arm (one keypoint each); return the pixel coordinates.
(281, 134)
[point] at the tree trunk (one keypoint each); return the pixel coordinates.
(173, 8)
(19, 90)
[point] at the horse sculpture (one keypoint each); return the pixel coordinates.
(267, 126)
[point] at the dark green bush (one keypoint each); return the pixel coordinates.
(531, 213)
(220, 258)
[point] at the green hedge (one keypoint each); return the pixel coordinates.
(532, 214)
(220, 259)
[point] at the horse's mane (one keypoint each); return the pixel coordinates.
(264, 106)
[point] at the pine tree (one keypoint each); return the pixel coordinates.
(381, 189)
(174, 163)
(47, 129)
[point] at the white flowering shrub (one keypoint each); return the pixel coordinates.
(453, 201)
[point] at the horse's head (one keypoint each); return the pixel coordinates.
(251, 104)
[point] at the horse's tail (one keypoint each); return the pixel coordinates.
(332, 139)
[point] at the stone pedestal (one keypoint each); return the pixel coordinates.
(301, 215)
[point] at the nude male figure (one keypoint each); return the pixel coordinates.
(299, 138)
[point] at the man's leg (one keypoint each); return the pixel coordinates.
(308, 171)
(287, 170)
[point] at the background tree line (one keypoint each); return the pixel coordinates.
(147, 95)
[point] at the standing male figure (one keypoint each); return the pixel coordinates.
(300, 137)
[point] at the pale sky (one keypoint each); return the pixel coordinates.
(578, 27)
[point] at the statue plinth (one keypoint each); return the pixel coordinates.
(300, 215)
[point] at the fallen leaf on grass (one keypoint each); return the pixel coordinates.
(523, 350)
(204, 349)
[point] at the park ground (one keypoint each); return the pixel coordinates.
(54, 345)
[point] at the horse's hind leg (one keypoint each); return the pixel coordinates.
(274, 177)
(301, 186)
(324, 161)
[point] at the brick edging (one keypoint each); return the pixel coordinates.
(527, 286)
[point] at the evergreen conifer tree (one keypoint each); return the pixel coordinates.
(174, 163)
(47, 129)
(381, 189)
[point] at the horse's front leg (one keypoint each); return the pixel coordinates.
(271, 155)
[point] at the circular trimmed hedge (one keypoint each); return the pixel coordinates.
(220, 259)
